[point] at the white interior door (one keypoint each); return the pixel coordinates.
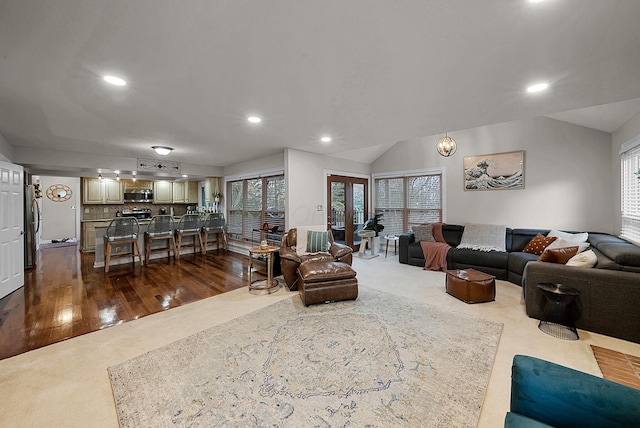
(11, 228)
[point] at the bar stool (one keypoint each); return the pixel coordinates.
(214, 225)
(121, 231)
(189, 225)
(160, 227)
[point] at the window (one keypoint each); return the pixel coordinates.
(630, 198)
(252, 203)
(408, 201)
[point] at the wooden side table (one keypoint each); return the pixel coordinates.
(271, 285)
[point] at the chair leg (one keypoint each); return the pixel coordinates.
(137, 249)
(206, 241)
(107, 256)
(172, 245)
(202, 248)
(147, 250)
(178, 245)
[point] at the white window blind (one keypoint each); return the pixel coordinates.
(409, 201)
(630, 198)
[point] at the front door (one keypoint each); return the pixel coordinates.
(11, 228)
(348, 207)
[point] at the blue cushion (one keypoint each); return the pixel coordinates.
(563, 397)
(513, 420)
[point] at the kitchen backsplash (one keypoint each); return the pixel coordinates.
(99, 212)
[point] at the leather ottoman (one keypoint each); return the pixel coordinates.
(471, 286)
(324, 281)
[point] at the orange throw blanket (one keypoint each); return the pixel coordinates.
(435, 255)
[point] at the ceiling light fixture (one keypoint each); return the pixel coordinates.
(162, 150)
(118, 177)
(99, 176)
(254, 119)
(325, 139)
(114, 80)
(538, 87)
(446, 146)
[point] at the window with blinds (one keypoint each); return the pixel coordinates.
(409, 201)
(630, 198)
(252, 203)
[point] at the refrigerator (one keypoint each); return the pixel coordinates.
(32, 218)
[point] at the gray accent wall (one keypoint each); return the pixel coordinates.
(568, 175)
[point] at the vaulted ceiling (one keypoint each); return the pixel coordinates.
(368, 73)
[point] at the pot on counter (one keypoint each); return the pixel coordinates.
(163, 211)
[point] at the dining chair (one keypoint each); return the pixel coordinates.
(160, 227)
(121, 231)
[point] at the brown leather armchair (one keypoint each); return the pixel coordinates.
(290, 259)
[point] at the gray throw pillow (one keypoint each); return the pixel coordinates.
(424, 232)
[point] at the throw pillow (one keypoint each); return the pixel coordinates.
(563, 243)
(317, 242)
(558, 255)
(484, 237)
(424, 232)
(301, 237)
(538, 244)
(573, 237)
(588, 259)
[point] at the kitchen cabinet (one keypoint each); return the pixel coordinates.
(192, 192)
(180, 192)
(138, 184)
(89, 234)
(162, 192)
(105, 191)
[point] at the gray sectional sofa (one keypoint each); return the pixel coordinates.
(610, 292)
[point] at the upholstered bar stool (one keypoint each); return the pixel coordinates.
(160, 227)
(214, 225)
(189, 225)
(121, 231)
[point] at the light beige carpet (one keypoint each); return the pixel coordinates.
(348, 363)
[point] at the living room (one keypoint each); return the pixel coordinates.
(571, 182)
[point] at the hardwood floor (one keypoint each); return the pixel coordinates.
(65, 297)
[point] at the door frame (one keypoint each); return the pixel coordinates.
(350, 178)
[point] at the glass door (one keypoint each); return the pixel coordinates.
(348, 206)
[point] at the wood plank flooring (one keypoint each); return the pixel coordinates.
(64, 296)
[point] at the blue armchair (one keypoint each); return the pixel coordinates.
(544, 394)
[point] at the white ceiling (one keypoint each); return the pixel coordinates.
(368, 72)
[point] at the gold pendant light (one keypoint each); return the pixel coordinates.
(446, 146)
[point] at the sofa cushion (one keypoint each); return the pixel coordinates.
(573, 237)
(623, 253)
(301, 237)
(423, 232)
(586, 259)
(563, 243)
(518, 260)
(484, 237)
(558, 255)
(521, 237)
(538, 244)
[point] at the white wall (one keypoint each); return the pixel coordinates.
(6, 150)
(627, 132)
(250, 167)
(567, 175)
(60, 219)
(305, 181)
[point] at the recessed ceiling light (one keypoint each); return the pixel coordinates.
(162, 150)
(184, 176)
(254, 119)
(538, 87)
(114, 80)
(325, 139)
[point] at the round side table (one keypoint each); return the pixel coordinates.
(270, 285)
(395, 240)
(560, 311)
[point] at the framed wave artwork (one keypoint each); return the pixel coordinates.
(498, 171)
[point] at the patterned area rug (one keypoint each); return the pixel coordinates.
(379, 361)
(618, 367)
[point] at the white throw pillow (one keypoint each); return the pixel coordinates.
(301, 240)
(573, 237)
(588, 259)
(563, 243)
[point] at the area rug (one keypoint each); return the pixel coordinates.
(68, 243)
(618, 367)
(381, 360)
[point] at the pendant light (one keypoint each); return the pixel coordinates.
(446, 146)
